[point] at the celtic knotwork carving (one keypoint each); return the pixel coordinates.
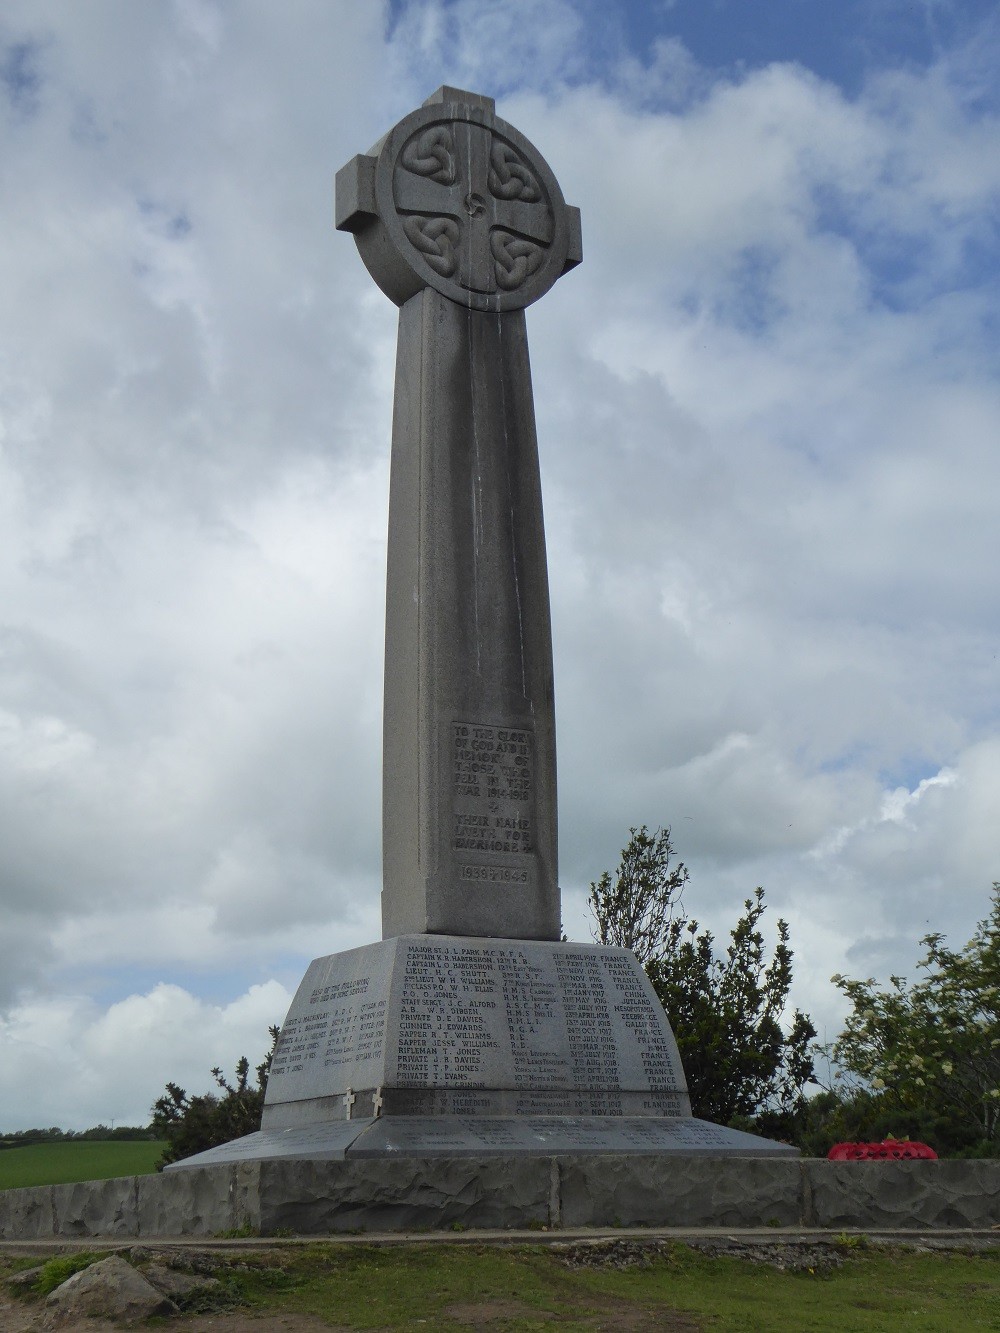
(458, 201)
(437, 241)
(509, 178)
(431, 154)
(516, 259)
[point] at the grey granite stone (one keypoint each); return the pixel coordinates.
(75, 1207)
(446, 1025)
(326, 1140)
(679, 1191)
(27, 1214)
(454, 199)
(404, 1194)
(217, 1197)
(500, 1188)
(462, 224)
(111, 1289)
(469, 779)
(903, 1194)
(454, 1136)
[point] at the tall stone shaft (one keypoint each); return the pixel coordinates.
(469, 762)
(462, 224)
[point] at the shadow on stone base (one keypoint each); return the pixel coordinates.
(314, 1197)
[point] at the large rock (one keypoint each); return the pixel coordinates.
(112, 1288)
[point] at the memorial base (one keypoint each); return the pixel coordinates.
(481, 1136)
(450, 1046)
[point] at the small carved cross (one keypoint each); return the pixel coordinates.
(349, 1100)
(377, 1102)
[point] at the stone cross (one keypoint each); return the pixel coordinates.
(462, 224)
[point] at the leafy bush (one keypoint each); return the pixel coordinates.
(926, 1054)
(725, 1008)
(192, 1124)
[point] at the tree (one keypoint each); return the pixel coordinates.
(634, 910)
(192, 1124)
(929, 1050)
(725, 1008)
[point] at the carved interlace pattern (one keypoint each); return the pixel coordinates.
(481, 217)
(437, 241)
(509, 178)
(516, 259)
(431, 154)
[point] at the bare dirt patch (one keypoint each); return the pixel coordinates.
(18, 1317)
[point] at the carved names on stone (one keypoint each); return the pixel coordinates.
(493, 794)
(450, 1026)
(335, 1028)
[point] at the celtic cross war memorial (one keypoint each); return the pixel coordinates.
(470, 1029)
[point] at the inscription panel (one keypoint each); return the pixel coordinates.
(493, 772)
(334, 1035)
(492, 1015)
(479, 1026)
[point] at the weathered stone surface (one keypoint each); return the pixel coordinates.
(402, 1194)
(469, 770)
(903, 1194)
(27, 1277)
(198, 1203)
(77, 1207)
(112, 1288)
(27, 1214)
(456, 1026)
(461, 223)
(176, 1284)
(494, 1189)
(679, 1191)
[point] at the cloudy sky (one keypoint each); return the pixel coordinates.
(769, 427)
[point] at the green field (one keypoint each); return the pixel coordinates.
(63, 1163)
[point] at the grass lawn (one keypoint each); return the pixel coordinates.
(62, 1163)
(677, 1288)
(620, 1286)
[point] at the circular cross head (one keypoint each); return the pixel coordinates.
(466, 205)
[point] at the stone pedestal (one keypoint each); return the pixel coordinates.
(428, 1025)
(442, 1046)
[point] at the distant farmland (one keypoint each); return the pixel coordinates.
(64, 1163)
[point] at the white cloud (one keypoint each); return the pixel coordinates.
(70, 1064)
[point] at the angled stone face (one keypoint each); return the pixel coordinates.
(423, 1026)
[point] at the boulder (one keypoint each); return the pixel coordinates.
(112, 1288)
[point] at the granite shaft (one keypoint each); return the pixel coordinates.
(469, 766)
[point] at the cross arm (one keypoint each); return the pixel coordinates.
(355, 207)
(574, 255)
